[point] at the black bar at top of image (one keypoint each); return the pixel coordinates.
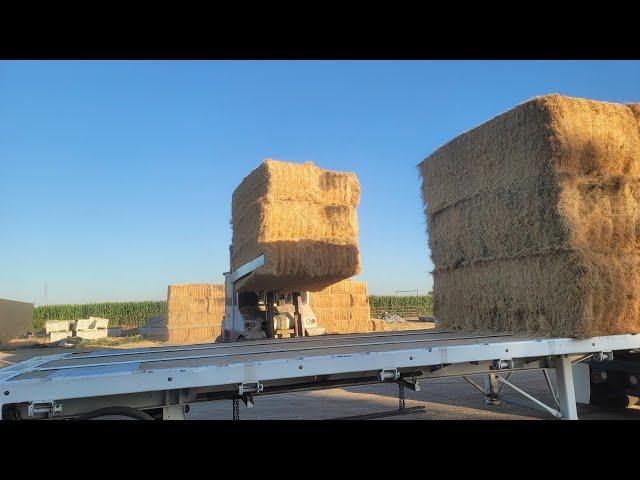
(422, 39)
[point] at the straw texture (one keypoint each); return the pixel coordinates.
(343, 307)
(302, 219)
(194, 312)
(534, 220)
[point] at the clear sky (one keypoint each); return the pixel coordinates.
(116, 177)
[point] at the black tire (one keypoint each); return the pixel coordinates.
(612, 402)
(610, 397)
(130, 413)
(241, 339)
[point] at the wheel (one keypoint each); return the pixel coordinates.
(116, 413)
(609, 395)
(610, 401)
(241, 339)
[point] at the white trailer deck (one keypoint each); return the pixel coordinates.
(163, 381)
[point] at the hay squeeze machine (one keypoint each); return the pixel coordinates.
(253, 315)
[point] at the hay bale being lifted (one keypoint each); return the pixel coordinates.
(302, 219)
(534, 220)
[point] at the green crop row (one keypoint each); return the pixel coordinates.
(118, 313)
(422, 304)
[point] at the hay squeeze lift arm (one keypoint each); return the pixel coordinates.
(266, 314)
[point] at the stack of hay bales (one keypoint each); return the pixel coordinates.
(302, 219)
(194, 313)
(534, 220)
(343, 307)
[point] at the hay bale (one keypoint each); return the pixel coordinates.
(194, 334)
(184, 335)
(195, 304)
(342, 307)
(359, 299)
(194, 313)
(302, 219)
(534, 220)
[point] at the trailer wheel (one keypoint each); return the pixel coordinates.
(116, 413)
(609, 397)
(611, 401)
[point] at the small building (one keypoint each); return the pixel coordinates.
(16, 319)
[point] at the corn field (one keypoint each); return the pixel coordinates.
(119, 313)
(404, 306)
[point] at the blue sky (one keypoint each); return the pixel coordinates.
(116, 177)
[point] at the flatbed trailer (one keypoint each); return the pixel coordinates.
(161, 382)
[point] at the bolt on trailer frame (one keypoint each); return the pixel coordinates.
(163, 381)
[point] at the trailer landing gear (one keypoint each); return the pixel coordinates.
(564, 398)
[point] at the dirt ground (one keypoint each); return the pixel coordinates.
(443, 399)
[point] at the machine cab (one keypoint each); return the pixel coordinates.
(269, 314)
(244, 314)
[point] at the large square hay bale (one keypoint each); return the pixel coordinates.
(534, 220)
(184, 335)
(195, 305)
(343, 307)
(302, 219)
(194, 314)
(200, 334)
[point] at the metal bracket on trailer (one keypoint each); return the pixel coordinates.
(50, 407)
(502, 364)
(246, 391)
(388, 374)
(248, 400)
(410, 383)
(253, 387)
(174, 411)
(602, 356)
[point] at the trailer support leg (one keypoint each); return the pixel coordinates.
(492, 389)
(174, 412)
(566, 392)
